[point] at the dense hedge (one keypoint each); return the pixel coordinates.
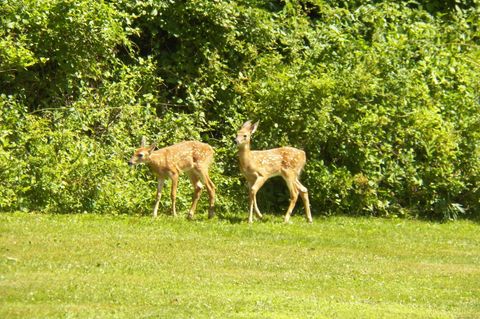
(382, 95)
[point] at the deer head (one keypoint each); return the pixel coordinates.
(142, 154)
(245, 132)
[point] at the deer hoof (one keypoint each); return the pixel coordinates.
(211, 213)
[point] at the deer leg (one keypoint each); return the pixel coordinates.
(257, 211)
(197, 191)
(159, 195)
(259, 183)
(211, 194)
(251, 202)
(293, 198)
(306, 203)
(173, 193)
(253, 197)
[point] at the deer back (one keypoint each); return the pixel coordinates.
(275, 161)
(181, 157)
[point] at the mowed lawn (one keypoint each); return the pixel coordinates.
(92, 266)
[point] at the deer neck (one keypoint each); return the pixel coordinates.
(245, 155)
(156, 164)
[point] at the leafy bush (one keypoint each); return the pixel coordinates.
(382, 96)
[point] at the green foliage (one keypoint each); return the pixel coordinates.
(51, 50)
(382, 96)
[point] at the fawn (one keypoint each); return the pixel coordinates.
(191, 157)
(259, 166)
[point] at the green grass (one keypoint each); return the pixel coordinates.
(84, 266)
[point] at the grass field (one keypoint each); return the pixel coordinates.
(84, 266)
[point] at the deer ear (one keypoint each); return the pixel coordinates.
(247, 124)
(254, 127)
(143, 142)
(152, 148)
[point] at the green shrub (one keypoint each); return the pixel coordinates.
(382, 96)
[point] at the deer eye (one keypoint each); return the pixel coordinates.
(245, 135)
(140, 155)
